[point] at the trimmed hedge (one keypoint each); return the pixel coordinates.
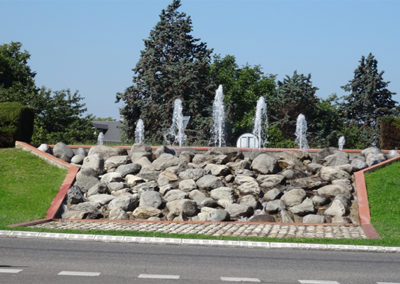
(16, 123)
(390, 132)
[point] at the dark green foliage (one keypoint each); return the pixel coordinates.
(172, 65)
(16, 78)
(242, 88)
(60, 117)
(16, 123)
(369, 99)
(296, 95)
(390, 132)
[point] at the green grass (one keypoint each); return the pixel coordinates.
(27, 186)
(383, 187)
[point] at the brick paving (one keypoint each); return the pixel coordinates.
(217, 229)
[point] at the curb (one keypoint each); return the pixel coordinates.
(195, 242)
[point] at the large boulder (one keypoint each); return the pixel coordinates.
(182, 207)
(145, 212)
(274, 206)
(84, 210)
(77, 159)
(217, 170)
(333, 190)
(101, 199)
(126, 202)
(269, 181)
(128, 169)
(272, 194)
(294, 197)
(223, 193)
(187, 185)
(332, 173)
(164, 161)
(247, 185)
(74, 195)
(118, 214)
(308, 183)
(115, 161)
(85, 182)
(161, 150)
(197, 196)
(209, 182)
(175, 194)
(63, 152)
(93, 165)
(167, 177)
(306, 207)
(219, 215)
(239, 210)
(337, 159)
(111, 177)
(336, 209)
(312, 218)
(106, 152)
(150, 199)
(98, 188)
(265, 164)
(145, 186)
(193, 174)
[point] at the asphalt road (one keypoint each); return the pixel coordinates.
(53, 261)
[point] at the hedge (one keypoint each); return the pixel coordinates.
(390, 132)
(16, 123)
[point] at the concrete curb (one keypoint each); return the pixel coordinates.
(195, 242)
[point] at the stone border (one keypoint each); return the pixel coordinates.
(361, 190)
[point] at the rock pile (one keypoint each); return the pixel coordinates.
(218, 185)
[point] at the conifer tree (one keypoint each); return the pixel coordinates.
(172, 65)
(369, 99)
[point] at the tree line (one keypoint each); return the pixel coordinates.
(174, 64)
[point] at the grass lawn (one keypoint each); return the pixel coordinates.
(27, 186)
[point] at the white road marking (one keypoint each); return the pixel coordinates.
(318, 282)
(10, 270)
(240, 279)
(79, 273)
(158, 276)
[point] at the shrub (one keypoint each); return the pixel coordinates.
(390, 132)
(16, 123)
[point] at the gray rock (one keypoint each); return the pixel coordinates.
(140, 147)
(93, 165)
(269, 181)
(98, 188)
(118, 214)
(209, 182)
(85, 182)
(337, 208)
(77, 159)
(239, 165)
(197, 196)
(265, 164)
(336, 159)
(225, 193)
(85, 210)
(239, 210)
(217, 170)
(111, 177)
(115, 161)
(144, 162)
(202, 158)
(312, 218)
(63, 152)
(165, 161)
(229, 178)
(186, 156)
(263, 218)
(80, 151)
(115, 186)
(332, 173)
(106, 152)
(187, 185)
(373, 159)
(314, 167)
(208, 202)
(133, 180)
(358, 164)
(167, 177)
(306, 207)
(320, 200)
(244, 172)
(74, 195)
(161, 150)
(146, 212)
(333, 190)
(272, 194)
(101, 199)
(183, 207)
(193, 174)
(126, 202)
(285, 217)
(44, 148)
(175, 194)
(274, 206)
(293, 174)
(145, 186)
(127, 169)
(148, 174)
(247, 185)
(249, 200)
(392, 154)
(205, 214)
(150, 199)
(232, 154)
(293, 197)
(220, 215)
(344, 183)
(220, 159)
(308, 183)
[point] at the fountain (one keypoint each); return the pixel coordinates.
(217, 132)
(301, 133)
(100, 138)
(261, 123)
(341, 143)
(139, 132)
(177, 127)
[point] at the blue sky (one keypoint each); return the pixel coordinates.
(92, 45)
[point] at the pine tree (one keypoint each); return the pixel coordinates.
(369, 99)
(172, 65)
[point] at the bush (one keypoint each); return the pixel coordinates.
(16, 123)
(390, 132)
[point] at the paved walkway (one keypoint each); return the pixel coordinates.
(217, 229)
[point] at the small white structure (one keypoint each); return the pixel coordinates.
(247, 140)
